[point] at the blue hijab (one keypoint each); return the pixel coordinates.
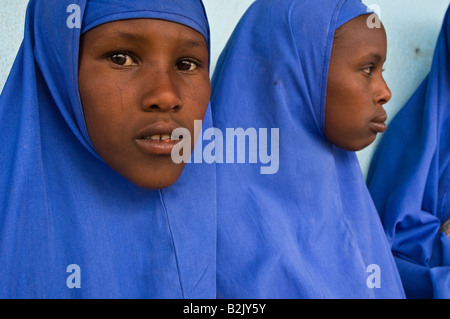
(310, 230)
(70, 226)
(409, 179)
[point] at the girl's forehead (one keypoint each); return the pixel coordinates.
(136, 29)
(141, 31)
(190, 13)
(356, 35)
(358, 27)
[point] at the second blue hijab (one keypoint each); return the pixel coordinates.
(310, 230)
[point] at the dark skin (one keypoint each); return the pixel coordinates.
(140, 79)
(356, 90)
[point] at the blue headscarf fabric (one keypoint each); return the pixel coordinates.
(70, 226)
(409, 179)
(310, 230)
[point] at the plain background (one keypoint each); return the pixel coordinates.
(412, 28)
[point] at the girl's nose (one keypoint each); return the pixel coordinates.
(384, 93)
(161, 93)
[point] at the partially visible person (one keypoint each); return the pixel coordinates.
(91, 203)
(409, 179)
(312, 69)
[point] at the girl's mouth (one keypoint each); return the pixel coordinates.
(159, 137)
(156, 138)
(378, 127)
(378, 124)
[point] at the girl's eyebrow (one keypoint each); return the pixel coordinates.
(371, 56)
(136, 37)
(126, 36)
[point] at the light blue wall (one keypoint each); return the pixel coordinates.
(412, 28)
(12, 19)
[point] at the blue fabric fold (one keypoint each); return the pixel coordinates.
(61, 205)
(310, 230)
(409, 179)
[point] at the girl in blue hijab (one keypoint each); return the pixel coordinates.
(409, 179)
(310, 229)
(91, 203)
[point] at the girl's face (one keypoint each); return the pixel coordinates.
(356, 90)
(139, 80)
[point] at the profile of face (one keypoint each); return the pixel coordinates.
(139, 80)
(356, 90)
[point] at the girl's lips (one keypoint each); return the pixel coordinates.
(378, 127)
(378, 124)
(156, 147)
(155, 139)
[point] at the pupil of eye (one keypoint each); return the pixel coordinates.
(120, 59)
(185, 65)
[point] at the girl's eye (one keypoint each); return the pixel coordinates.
(368, 70)
(122, 59)
(187, 65)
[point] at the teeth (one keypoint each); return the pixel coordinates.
(165, 137)
(158, 137)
